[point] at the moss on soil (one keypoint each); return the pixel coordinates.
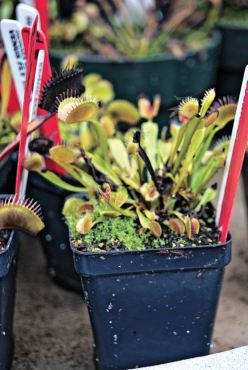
(123, 233)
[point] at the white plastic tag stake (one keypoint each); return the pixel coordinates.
(13, 44)
(231, 146)
(33, 112)
(28, 2)
(25, 14)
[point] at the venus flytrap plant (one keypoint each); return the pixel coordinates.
(156, 184)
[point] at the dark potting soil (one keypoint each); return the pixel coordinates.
(4, 237)
(209, 235)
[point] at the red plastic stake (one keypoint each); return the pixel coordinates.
(29, 81)
(234, 161)
(51, 127)
(43, 9)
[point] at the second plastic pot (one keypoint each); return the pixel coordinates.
(152, 307)
(54, 238)
(8, 268)
(6, 168)
(162, 74)
(233, 59)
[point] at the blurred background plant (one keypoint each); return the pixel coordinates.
(234, 13)
(134, 29)
(6, 8)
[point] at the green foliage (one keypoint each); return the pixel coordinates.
(144, 181)
(234, 13)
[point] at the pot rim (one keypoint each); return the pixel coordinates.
(165, 250)
(214, 41)
(232, 27)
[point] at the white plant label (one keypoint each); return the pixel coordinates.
(25, 14)
(28, 2)
(13, 44)
(33, 112)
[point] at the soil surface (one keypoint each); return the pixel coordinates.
(52, 328)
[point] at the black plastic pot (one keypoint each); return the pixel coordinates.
(6, 167)
(7, 300)
(233, 59)
(154, 306)
(162, 74)
(54, 238)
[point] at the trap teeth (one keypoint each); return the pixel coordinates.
(72, 110)
(62, 85)
(22, 214)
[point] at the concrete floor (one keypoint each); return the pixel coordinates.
(52, 327)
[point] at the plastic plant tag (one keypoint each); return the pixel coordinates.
(33, 112)
(12, 39)
(51, 129)
(43, 9)
(30, 75)
(25, 14)
(234, 161)
(28, 2)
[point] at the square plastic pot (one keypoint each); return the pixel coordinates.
(154, 306)
(55, 237)
(6, 169)
(232, 64)
(8, 267)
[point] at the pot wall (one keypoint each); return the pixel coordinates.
(54, 238)
(8, 267)
(233, 59)
(161, 74)
(152, 307)
(6, 168)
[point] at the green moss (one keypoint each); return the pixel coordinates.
(118, 232)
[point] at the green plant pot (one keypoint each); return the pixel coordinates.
(233, 59)
(8, 267)
(162, 74)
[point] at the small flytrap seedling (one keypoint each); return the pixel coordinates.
(135, 29)
(140, 189)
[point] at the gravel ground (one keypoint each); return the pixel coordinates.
(52, 327)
